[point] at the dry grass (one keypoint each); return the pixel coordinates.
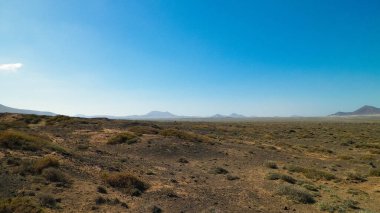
(311, 173)
(126, 183)
(184, 135)
(19, 205)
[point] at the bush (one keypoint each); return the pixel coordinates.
(355, 177)
(16, 140)
(19, 204)
(296, 194)
(276, 176)
(121, 138)
(126, 183)
(48, 201)
(311, 173)
(44, 163)
(54, 175)
(102, 190)
(21, 141)
(140, 130)
(271, 165)
(375, 172)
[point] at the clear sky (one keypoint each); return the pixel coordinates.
(193, 57)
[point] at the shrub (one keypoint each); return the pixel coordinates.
(375, 172)
(311, 173)
(296, 194)
(54, 175)
(271, 165)
(121, 138)
(355, 177)
(21, 141)
(16, 140)
(44, 163)
(126, 183)
(276, 176)
(140, 130)
(48, 200)
(19, 204)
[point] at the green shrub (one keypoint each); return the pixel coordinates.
(296, 194)
(355, 177)
(126, 183)
(121, 138)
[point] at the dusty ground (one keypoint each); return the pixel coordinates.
(257, 166)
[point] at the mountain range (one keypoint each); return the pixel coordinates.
(365, 110)
(5, 109)
(158, 115)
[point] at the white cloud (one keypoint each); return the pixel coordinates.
(10, 68)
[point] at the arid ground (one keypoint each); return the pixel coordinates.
(63, 164)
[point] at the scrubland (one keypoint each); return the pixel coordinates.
(64, 164)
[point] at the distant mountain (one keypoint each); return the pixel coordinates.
(365, 110)
(233, 115)
(5, 109)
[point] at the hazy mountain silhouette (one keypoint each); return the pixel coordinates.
(5, 109)
(365, 110)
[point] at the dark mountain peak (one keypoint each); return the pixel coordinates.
(364, 110)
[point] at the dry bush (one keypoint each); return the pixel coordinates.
(44, 163)
(124, 137)
(141, 130)
(375, 172)
(17, 140)
(296, 194)
(126, 183)
(271, 165)
(311, 173)
(55, 175)
(277, 176)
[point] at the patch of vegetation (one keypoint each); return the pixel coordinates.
(102, 190)
(140, 130)
(271, 165)
(55, 175)
(277, 176)
(355, 177)
(311, 173)
(122, 138)
(17, 140)
(19, 204)
(184, 135)
(126, 183)
(374, 172)
(47, 200)
(338, 206)
(296, 194)
(44, 163)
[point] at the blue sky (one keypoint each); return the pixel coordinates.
(198, 57)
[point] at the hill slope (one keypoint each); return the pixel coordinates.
(5, 109)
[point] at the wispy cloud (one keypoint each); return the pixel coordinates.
(10, 68)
